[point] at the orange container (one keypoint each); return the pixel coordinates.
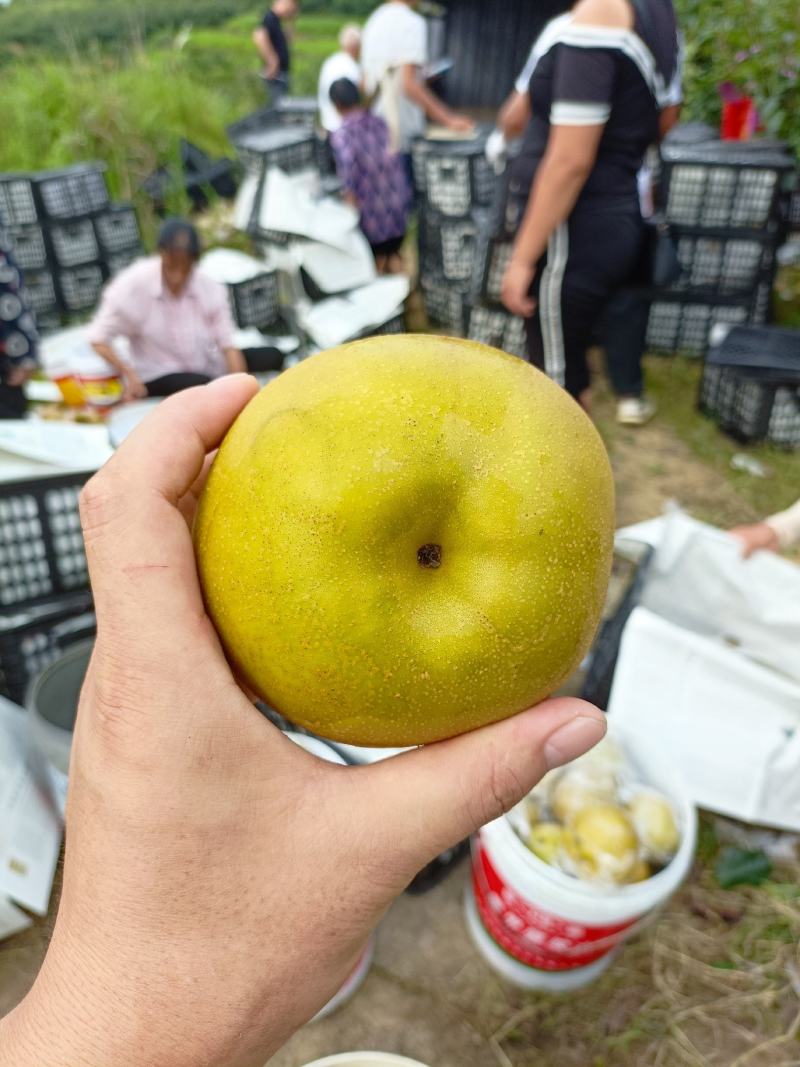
(71, 390)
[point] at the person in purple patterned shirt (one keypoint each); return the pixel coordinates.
(374, 178)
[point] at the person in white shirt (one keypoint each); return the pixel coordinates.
(394, 49)
(342, 64)
(777, 532)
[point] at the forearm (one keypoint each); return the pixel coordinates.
(264, 46)
(420, 94)
(107, 353)
(514, 116)
(556, 188)
(235, 363)
(786, 525)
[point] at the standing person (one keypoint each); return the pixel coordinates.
(374, 178)
(596, 95)
(18, 337)
(271, 40)
(394, 49)
(177, 320)
(342, 64)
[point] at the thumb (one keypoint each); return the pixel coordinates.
(429, 799)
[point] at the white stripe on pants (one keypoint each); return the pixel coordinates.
(550, 303)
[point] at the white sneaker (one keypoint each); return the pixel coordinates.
(635, 410)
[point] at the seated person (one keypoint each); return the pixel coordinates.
(177, 320)
(375, 178)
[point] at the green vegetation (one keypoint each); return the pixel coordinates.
(753, 44)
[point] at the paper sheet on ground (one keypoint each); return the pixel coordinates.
(730, 727)
(288, 206)
(30, 830)
(334, 321)
(69, 446)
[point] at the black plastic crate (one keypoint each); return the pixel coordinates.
(40, 288)
(267, 118)
(749, 409)
(31, 638)
(793, 211)
(74, 243)
(684, 323)
(444, 303)
(453, 177)
(449, 246)
(255, 301)
(17, 201)
(120, 260)
(81, 287)
(751, 384)
(72, 193)
(290, 148)
(725, 264)
(41, 544)
(117, 229)
(491, 261)
(723, 184)
(498, 328)
(629, 573)
(28, 246)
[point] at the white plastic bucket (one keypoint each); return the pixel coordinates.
(359, 973)
(543, 929)
(52, 702)
(366, 1059)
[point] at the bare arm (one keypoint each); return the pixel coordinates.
(668, 117)
(235, 362)
(266, 51)
(567, 163)
(515, 115)
(134, 386)
(420, 94)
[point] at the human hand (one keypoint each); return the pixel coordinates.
(219, 881)
(515, 292)
(460, 124)
(759, 535)
(133, 386)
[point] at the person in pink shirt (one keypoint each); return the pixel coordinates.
(177, 321)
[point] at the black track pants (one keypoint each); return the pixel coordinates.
(588, 259)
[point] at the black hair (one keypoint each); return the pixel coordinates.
(178, 235)
(344, 94)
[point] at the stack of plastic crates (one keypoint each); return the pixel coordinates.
(45, 602)
(487, 320)
(725, 204)
(751, 384)
(456, 189)
(67, 237)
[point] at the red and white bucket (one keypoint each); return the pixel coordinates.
(324, 751)
(541, 928)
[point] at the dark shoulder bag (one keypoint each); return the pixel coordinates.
(659, 266)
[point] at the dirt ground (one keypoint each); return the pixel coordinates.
(714, 983)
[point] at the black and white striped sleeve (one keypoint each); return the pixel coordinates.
(583, 85)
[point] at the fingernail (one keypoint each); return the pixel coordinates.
(573, 739)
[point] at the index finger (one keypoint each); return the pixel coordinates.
(138, 546)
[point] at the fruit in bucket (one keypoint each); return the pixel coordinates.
(546, 840)
(603, 842)
(406, 538)
(655, 824)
